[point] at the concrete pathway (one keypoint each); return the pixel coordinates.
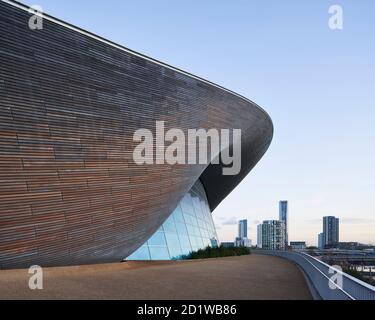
(245, 277)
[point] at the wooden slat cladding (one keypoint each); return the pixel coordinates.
(70, 192)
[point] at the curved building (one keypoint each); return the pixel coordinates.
(70, 191)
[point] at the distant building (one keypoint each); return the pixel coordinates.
(353, 246)
(298, 245)
(330, 231)
(271, 235)
(242, 228)
(227, 244)
(283, 216)
(259, 235)
(238, 242)
(214, 242)
(242, 240)
(321, 240)
(247, 242)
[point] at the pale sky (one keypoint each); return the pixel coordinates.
(318, 85)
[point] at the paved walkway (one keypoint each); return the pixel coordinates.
(245, 277)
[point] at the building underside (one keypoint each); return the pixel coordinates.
(70, 102)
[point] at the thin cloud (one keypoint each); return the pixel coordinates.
(346, 220)
(315, 221)
(357, 220)
(231, 221)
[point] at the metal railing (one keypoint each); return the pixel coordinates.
(322, 278)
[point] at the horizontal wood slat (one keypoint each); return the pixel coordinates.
(70, 192)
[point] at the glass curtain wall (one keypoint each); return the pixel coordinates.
(190, 227)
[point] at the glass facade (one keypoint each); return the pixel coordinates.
(330, 231)
(190, 227)
(283, 216)
(271, 235)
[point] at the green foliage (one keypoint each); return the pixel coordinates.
(354, 273)
(358, 275)
(217, 252)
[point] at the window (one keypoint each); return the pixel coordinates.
(157, 239)
(189, 227)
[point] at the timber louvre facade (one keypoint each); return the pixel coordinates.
(70, 192)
